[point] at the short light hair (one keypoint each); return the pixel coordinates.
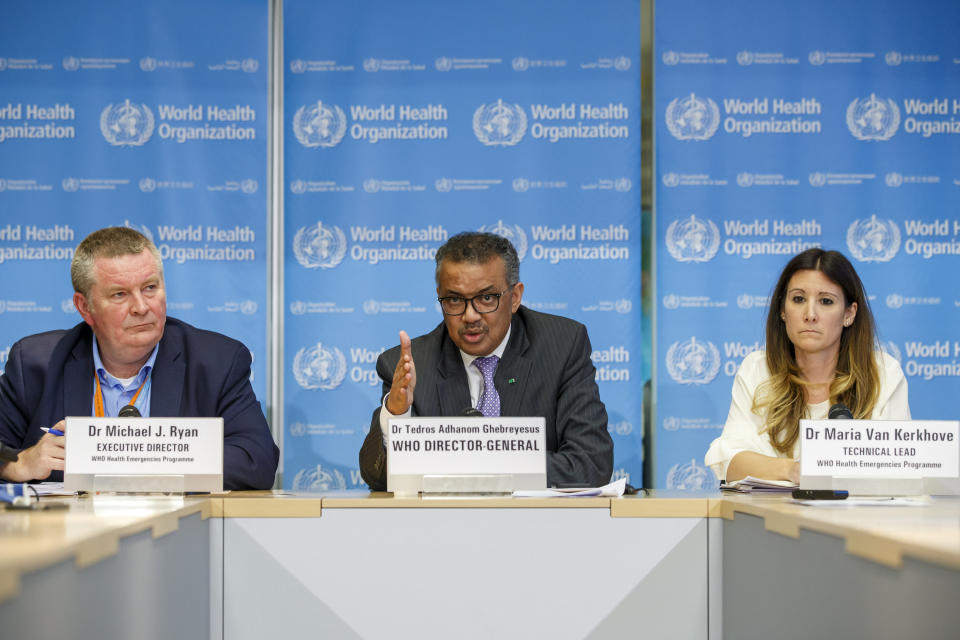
(477, 247)
(111, 242)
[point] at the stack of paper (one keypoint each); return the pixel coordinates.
(759, 485)
(613, 490)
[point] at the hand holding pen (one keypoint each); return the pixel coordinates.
(38, 461)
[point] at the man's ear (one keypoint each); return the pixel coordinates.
(517, 296)
(80, 302)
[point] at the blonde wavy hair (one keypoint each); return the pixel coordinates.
(781, 400)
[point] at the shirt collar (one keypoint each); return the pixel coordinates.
(107, 378)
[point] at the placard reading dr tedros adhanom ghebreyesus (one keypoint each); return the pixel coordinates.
(144, 454)
(466, 455)
(880, 457)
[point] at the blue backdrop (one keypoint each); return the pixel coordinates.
(406, 123)
(781, 126)
(151, 115)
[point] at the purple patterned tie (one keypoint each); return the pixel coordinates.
(489, 404)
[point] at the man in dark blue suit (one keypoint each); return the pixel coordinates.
(537, 365)
(128, 352)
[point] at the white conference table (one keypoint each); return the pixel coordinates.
(360, 565)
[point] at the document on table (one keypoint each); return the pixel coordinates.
(52, 489)
(759, 485)
(612, 490)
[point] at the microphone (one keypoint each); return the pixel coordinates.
(470, 412)
(131, 411)
(8, 454)
(839, 411)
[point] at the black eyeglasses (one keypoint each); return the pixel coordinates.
(482, 303)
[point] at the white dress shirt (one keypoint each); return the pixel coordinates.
(474, 382)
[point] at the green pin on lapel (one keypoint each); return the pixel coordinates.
(511, 380)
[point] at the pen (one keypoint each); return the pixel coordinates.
(55, 432)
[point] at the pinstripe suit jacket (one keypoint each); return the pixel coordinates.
(545, 371)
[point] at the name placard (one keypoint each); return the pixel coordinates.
(879, 449)
(139, 448)
(505, 447)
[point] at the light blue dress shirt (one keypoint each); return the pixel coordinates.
(115, 393)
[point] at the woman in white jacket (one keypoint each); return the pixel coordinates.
(821, 349)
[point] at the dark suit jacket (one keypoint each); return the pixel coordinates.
(197, 374)
(549, 359)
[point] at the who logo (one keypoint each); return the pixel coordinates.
(520, 63)
(298, 307)
(126, 124)
(622, 428)
(512, 232)
(320, 246)
(890, 348)
(873, 240)
(873, 118)
(745, 179)
(692, 239)
(689, 476)
(894, 179)
(894, 301)
(143, 229)
(499, 124)
(319, 125)
(318, 479)
(693, 361)
(319, 367)
(521, 185)
(692, 118)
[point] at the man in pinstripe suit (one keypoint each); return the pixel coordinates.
(542, 365)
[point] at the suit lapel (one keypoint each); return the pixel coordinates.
(452, 389)
(513, 371)
(78, 379)
(168, 372)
